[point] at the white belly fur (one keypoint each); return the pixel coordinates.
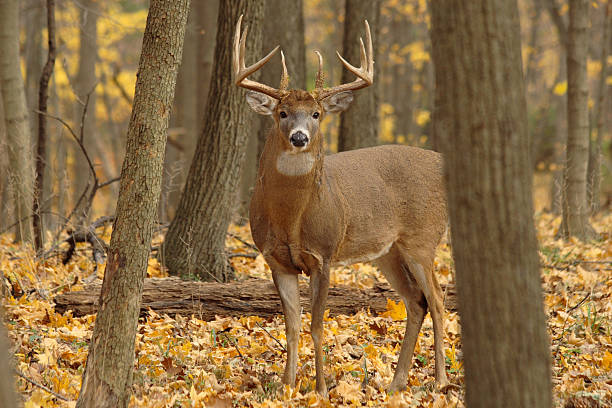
(366, 257)
(294, 164)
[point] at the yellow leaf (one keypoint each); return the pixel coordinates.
(396, 311)
(560, 88)
(606, 363)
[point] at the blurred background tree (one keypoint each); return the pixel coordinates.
(98, 45)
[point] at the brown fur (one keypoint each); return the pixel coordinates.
(385, 204)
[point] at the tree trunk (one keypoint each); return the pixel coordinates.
(34, 55)
(194, 244)
(21, 176)
(108, 374)
(482, 109)
(288, 32)
(255, 297)
(575, 206)
(359, 124)
(84, 85)
(594, 168)
(7, 381)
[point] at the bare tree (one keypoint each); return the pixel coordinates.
(195, 242)
(483, 126)
(7, 381)
(20, 176)
(575, 206)
(359, 125)
(594, 168)
(108, 374)
(85, 112)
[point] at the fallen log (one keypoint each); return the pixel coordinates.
(256, 297)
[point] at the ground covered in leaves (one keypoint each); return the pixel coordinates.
(187, 362)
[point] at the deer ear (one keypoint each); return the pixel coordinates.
(338, 102)
(261, 103)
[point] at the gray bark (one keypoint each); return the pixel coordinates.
(194, 244)
(21, 171)
(594, 168)
(84, 84)
(483, 128)
(359, 124)
(575, 206)
(7, 381)
(108, 374)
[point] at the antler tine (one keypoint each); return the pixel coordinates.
(320, 77)
(241, 71)
(364, 74)
(284, 83)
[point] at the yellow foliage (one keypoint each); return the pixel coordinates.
(560, 88)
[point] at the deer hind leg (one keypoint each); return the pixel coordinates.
(288, 290)
(416, 307)
(421, 268)
(319, 287)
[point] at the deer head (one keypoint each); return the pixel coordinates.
(297, 113)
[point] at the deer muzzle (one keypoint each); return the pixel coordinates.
(299, 139)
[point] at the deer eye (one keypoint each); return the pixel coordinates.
(315, 115)
(283, 114)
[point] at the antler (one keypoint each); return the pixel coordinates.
(365, 73)
(241, 72)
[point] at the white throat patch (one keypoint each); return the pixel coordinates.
(294, 164)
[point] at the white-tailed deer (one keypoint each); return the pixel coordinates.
(310, 212)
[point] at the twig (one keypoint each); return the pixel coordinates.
(571, 309)
(248, 244)
(106, 183)
(275, 339)
(235, 343)
(43, 387)
(243, 256)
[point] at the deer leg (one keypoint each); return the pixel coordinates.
(288, 290)
(319, 287)
(422, 271)
(416, 308)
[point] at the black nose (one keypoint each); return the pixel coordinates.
(298, 139)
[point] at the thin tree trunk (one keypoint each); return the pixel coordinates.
(359, 124)
(594, 168)
(41, 146)
(84, 85)
(34, 58)
(483, 128)
(7, 381)
(194, 244)
(108, 374)
(208, 13)
(575, 206)
(288, 32)
(20, 176)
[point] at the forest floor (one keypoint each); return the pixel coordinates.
(187, 362)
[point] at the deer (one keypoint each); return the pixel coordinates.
(310, 211)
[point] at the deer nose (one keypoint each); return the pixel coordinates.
(298, 139)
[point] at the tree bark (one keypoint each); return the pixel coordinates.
(594, 168)
(359, 124)
(84, 87)
(288, 32)
(108, 374)
(41, 145)
(194, 244)
(575, 206)
(482, 109)
(20, 176)
(7, 381)
(256, 297)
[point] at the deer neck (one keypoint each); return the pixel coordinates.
(289, 181)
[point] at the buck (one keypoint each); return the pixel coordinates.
(310, 212)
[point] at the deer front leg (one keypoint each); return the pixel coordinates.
(319, 287)
(288, 290)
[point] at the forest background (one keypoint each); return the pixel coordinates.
(91, 91)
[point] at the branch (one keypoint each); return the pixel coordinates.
(42, 387)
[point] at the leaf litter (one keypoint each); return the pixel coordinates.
(230, 362)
